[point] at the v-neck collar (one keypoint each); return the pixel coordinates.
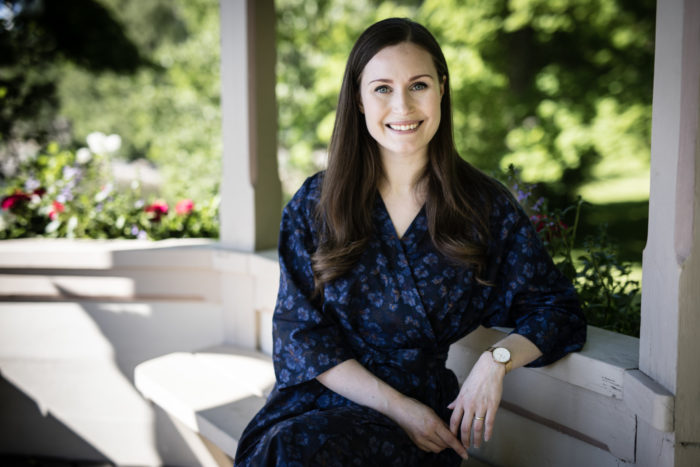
(415, 225)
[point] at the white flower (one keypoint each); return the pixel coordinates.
(95, 141)
(99, 143)
(83, 156)
(113, 143)
(70, 228)
(104, 192)
(52, 226)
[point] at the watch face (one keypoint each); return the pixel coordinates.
(501, 354)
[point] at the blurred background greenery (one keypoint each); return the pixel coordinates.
(559, 88)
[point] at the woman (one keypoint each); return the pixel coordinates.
(396, 251)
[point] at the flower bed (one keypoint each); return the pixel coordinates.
(63, 193)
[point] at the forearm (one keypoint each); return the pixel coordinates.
(353, 381)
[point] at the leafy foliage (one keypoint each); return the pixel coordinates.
(168, 114)
(609, 298)
(36, 38)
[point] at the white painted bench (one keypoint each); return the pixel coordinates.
(590, 402)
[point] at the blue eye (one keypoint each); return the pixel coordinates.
(382, 89)
(420, 86)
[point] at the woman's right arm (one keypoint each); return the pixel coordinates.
(425, 428)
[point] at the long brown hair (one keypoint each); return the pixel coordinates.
(458, 195)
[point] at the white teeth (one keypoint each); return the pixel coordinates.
(412, 126)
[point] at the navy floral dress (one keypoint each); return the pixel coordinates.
(396, 312)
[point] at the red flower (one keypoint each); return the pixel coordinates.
(157, 209)
(184, 206)
(551, 227)
(14, 200)
(56, 209)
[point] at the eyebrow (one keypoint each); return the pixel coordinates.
(385, 80)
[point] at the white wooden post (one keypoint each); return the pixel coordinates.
(669, 344)
(251, 197)
(250, 188)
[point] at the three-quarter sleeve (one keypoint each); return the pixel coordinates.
(529, 293)
(306, 340)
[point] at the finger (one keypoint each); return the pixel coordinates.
(466, 427)
(490, 420)
(451, 441)
(456, 419)
(429, 445)
(478, 428)
(452, 404)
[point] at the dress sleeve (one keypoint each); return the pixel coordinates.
(307, 342)
(530, 294)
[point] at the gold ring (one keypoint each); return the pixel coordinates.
(479, 418)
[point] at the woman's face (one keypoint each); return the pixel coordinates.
(400, 95)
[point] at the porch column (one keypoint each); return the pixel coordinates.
(250, 189)
(251, 195)
(669, 345)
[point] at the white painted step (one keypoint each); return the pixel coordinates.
(115, 284)
(74, 362)
(214, 392)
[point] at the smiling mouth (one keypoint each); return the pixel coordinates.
(404, 126)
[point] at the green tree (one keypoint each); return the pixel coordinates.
(36, 39)
(561, 88)
(168, 114)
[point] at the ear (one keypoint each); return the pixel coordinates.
(442, 85)
(361, 107)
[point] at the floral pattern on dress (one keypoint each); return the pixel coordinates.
(396, 312)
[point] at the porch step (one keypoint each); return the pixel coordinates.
(67, 375)
(108, 285)
(214, 392)
(63, 269)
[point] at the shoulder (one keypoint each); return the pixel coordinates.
(300, 213)
(307, 196)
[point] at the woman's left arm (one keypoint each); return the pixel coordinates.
(481, 392)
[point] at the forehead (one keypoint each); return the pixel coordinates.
(400, 61)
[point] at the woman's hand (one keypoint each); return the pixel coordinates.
(425, 428)
(475, 406)
(420, 422)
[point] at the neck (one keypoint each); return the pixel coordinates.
(401, 174)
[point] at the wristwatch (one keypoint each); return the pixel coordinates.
(501, 355)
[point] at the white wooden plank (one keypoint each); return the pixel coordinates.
(518, 441)
(649, 400)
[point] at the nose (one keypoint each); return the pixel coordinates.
(402, 102)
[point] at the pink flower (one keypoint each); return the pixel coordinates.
(56, 209)
(14, 200)
(157, 209)
(184, 206)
